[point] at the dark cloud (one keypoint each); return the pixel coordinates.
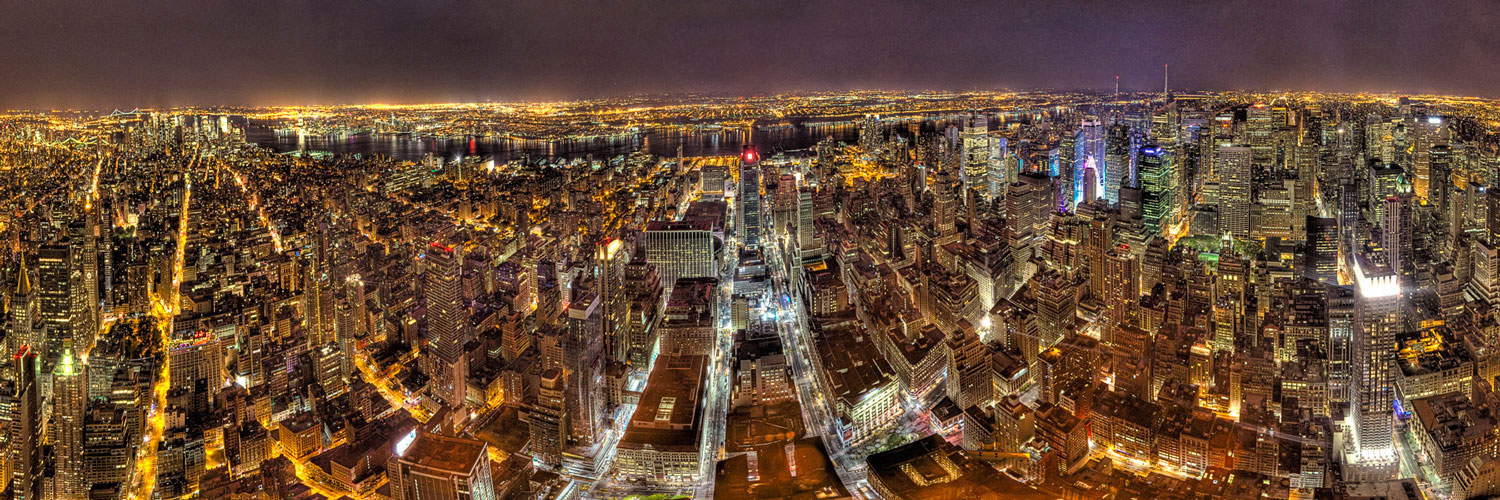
(71, 53)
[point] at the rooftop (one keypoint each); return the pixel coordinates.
(445, 453)
(670, 412)
(931, 468)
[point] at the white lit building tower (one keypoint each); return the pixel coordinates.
(976, 153)
(1372, 388)
(70, 392)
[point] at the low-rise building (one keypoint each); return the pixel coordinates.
(1453, 430)
(864, 387)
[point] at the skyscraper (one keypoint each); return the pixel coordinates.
(1002, 169)
(610, 260)
(1258, 127)
(446, 324)
(548, 419)
(976, 153)
(583, 363)
(55, 298)
(747, 217)
(70, 392)
(945, 203)
(869, 133)
(808, 242)
(83, 284)
(1101, 240)
(1088, 155)
(22, 310)
(1158, 185)
(1322, 249)
(1349, 233)
(1121, 287)
(194, 361)
(1234, 169)
(1117, 154)
(26, 432)
(1373, 391)
(1396, 235)
(1089, 178)
(683, 249)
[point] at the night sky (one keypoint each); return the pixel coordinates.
(106, 54)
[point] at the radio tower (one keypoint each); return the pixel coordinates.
(1164, 81)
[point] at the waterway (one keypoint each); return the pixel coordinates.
(794, 135)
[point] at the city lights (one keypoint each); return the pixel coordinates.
(639, 265)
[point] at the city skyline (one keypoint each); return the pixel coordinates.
(542, 250)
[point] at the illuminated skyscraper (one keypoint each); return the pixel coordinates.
(610, 259)
(328, 369)
(1386, 179)
(969, 376)
(1158, 184)
(195, 361)
(548, 419)
(1121, 287)
(1117, 160)
(55, 299)
(976, 153)
(1373, 391)
(1088, 154)
(1234, 169)
(1349, 233)
(1258, 127)
(1002, 167)
(83, 275)
(808, 242)
(70, 392)
(26, 431)
(1089, 178)
(446, 324)
(1323, 249)
(582, 361)
(22, 308)
(747, 217)
(1440, 168)
(869, 133)
(681, 249)
(945, 203)
(1101, 240)
(1396, 235)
